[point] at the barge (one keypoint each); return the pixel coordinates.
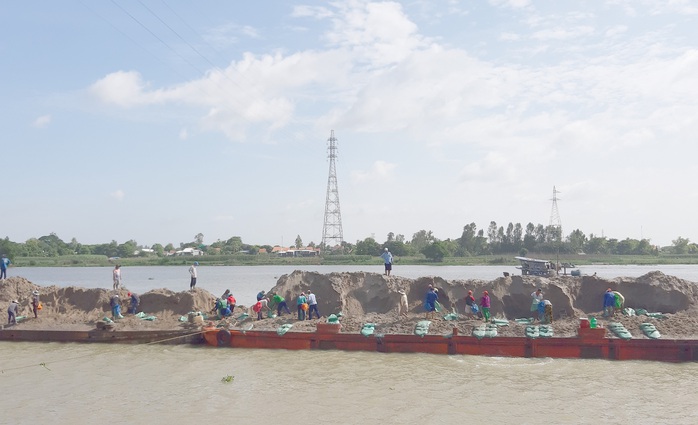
(590, 343)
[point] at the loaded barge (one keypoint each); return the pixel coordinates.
(590, 343)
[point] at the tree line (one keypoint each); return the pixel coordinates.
(512, 239)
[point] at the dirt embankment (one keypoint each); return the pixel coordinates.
(368, 297)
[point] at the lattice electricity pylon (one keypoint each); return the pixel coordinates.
(332, 228)
(555, 216)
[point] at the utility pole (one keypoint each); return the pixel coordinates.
(332, 227)
(556, 223)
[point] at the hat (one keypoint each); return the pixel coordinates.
(400, 291)
(386, 249)
(35, 292)
(196, 263)
(129, 294)
(15, 301)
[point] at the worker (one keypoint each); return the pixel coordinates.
(135, 300)
(302, 306)
(35, 303)
(115, 304)
(231, 301)
(536, 298)
(469, 303)
(260, 295)
(618, 302)
(404, 306)
(485, 304)
(547, 312)
(430, 302)
(280, 303)
(609, 303)
(12, 312)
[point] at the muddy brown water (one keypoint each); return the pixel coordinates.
(85, 383)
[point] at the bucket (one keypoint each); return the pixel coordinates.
(592, 322)
(584, 323)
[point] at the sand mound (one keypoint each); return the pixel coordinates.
(373, 298)
(74, 305)
(356, 294)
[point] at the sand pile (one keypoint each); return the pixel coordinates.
(361, 293)
(373, 298)
(368, 297)
(78, 308)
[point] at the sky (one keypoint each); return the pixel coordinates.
(158, 120)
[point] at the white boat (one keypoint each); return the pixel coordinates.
(535, 267)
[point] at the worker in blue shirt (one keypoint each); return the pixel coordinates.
(609, 303)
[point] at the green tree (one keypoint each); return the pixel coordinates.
(435, 251)
(680, 245)
(158, 249)
(199, 239)
(299, 242)
(421, 239)
(127, 249)
(577, 240)
(396, 248)
(466, 241)
(368, 246)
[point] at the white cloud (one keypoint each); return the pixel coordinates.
(183, 134)
(616, 30)
(317, 12)
(379, 171)
(42, 121)
(563, 33)
(509, 36)
(118, 195)
(513, 4)
(123, 88)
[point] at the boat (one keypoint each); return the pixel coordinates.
(590, 343)
(535, 267)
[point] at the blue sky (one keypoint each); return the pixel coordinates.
(157, 120)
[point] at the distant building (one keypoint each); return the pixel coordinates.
(189, 252)
(295, 252)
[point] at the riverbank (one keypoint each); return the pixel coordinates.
(269, 260)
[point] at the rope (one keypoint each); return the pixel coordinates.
(44, 364)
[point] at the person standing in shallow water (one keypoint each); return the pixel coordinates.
(388, 260)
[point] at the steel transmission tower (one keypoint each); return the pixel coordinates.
(332, 228)
(555, 216)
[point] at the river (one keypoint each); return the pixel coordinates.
(80, 383)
